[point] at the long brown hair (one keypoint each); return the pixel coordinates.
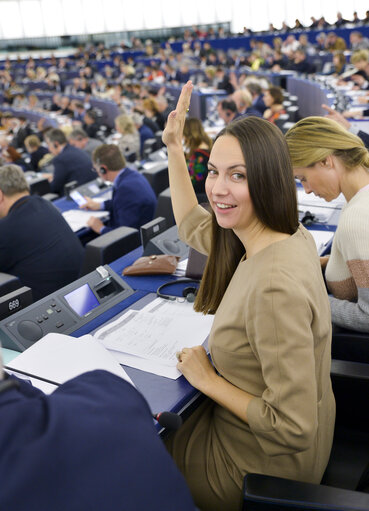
(195, 135)
(273, 194)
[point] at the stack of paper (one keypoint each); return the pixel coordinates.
(56, 358)
(149, 339)
(77, 219)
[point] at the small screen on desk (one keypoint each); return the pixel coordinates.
(82, 300)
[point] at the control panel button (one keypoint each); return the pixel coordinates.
(58, 309)
(59, 324)
(53, 304)
(39, 319)
(45, 316)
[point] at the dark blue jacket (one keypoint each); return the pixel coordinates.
(89, 446)
(145, 133)
(259, 104)
(71, 164)
(133, 203)
(364, 137)
(38, 246)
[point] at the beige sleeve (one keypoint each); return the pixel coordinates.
(195, 229)
(284, 419)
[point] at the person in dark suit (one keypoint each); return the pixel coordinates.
(144, 131)
(21, 132)
(36, 243)
(70, 163)
(35, 150)
(257, 96)
(99, 451)
(133, 203)
(90, 123)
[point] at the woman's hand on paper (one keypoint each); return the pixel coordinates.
(196, 367)
(173, 133)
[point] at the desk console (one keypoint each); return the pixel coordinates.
(66, 310)
(93, 188)
(167, 242)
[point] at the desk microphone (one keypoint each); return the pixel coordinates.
(168, 420)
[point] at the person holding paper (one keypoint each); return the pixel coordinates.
(329, 160)
(133, 203)
(270, 407)
(91, 444)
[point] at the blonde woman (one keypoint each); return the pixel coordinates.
(328, 160)
(129, 141)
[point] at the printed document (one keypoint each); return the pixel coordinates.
(150, 338)
(77, 219)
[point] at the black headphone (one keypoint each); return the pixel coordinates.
(102, 169)
(189, 293)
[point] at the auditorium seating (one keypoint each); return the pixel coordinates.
(110, 246)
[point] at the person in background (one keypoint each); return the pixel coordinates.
(273, 99)
(152, 111)
(36, 243)
(243, 100)
(70, 163)
(257, 96)
(328, 160)
(227, 110)
(11, 155)
(129, 142)
(333, 42)
(267, 409)
(78, 138)
(339, 63)
(90, 123)
(144, 131)
(35, 150)
(198, 145)
(133, 203)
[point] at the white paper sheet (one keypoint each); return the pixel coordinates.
(309, 199)
(58, 358)
(321, 238)
(149, 339)
(77, 219)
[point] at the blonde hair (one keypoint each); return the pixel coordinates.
(313, 139)
(125, 124)
(32, 141)
(359, 56)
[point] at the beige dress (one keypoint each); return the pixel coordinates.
(272, 338)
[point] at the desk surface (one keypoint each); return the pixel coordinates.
(162, 394)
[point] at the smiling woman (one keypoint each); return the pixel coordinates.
(267, 409)
(329, 160)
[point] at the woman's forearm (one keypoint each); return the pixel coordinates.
(227, 395)
(181, 189)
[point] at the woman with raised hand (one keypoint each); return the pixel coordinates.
(328, 160)
(269, 407)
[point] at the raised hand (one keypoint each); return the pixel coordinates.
(173, 133)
